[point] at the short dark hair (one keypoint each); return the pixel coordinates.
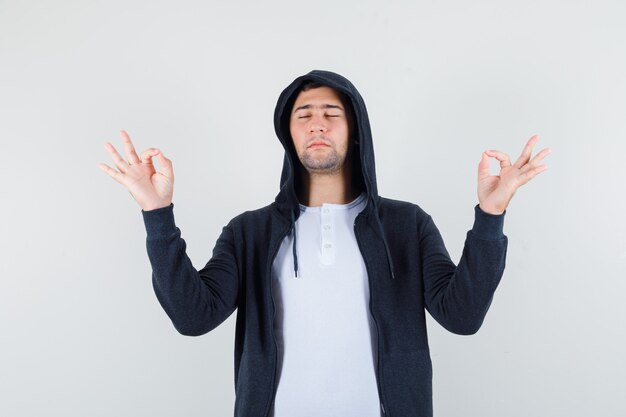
(310, 84)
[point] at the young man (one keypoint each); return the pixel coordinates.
(331, 281)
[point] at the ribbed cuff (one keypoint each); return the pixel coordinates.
(488, 226)
(159, 222)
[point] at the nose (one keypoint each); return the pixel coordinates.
(317, 124)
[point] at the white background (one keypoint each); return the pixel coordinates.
(81, 332)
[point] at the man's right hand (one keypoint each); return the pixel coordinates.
(151, 189)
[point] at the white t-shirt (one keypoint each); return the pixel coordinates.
(325, 333)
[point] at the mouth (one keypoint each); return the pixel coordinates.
(317, 145)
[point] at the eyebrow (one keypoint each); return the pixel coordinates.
(323, 106)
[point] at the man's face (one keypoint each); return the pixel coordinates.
(319, 128)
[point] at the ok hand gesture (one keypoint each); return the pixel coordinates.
(495, 191)
(151, 189)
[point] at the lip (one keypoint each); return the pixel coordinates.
(317, 144)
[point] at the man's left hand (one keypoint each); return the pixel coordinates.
(495, 191)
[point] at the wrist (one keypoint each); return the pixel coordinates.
(159, 223)
(155, 204)
(496, 211)
(487, 226)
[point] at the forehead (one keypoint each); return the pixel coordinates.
(319, 95)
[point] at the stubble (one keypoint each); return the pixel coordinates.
(322, 160)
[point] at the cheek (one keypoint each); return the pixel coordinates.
(296, 136)
(345, 136)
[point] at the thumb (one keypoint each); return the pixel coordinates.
(483, 166)
(166, 165)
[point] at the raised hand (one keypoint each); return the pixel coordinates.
(495, 191)
(151, 189)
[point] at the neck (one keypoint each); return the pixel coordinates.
(334, 188)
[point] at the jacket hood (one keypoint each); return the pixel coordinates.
(287, 199)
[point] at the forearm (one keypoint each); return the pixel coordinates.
(195, 302)
(458, 297)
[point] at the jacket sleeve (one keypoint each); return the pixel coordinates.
(458, 297)
(196, 301)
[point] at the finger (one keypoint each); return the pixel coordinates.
(531, 173)
(542, 154)
(526, 152)
(483, 166)
(130, 149)
(536, 159)
(166, 166)
(505, 160)
(117, 176)
(120, 163)
(148, 154)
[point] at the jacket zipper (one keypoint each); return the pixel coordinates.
(369, 281)
(274, 385)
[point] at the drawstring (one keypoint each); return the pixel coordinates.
(382, 234)
(295, 254)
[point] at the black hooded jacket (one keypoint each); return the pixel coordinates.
(409, 271)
